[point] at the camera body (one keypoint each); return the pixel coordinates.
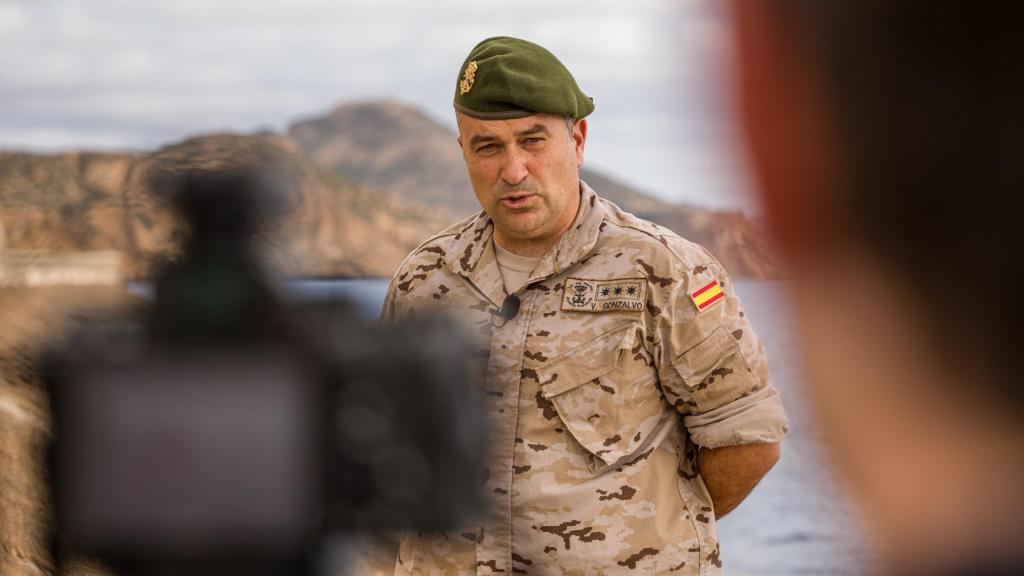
(229, 432)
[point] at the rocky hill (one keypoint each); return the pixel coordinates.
(365, 184)
(94, 201)
(396, 147)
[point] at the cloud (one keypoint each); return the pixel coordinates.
(137, 74)
(12, 17)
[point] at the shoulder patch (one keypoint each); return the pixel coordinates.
(707, 295)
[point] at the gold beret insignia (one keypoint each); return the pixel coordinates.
(468, 77)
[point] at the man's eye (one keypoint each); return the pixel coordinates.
(534, 140)
(487, 149)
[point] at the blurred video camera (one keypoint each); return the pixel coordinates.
(228, 432)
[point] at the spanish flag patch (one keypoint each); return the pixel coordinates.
(705, 296)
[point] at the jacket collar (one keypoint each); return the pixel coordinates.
(472, 253)
(578, 241)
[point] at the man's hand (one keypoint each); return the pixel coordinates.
(731, 472)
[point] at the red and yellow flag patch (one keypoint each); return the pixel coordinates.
(705, 296)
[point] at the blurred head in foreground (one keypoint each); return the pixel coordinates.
(887, 138)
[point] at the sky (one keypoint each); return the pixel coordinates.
(130, 74)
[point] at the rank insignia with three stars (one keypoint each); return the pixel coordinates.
(623, 294)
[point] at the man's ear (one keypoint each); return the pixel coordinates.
(787, 119)
(579, 136)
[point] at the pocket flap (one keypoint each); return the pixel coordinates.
(697, 363)
(586, 362)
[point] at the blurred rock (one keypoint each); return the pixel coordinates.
(367, 182)
(32, 319)
(86, 201)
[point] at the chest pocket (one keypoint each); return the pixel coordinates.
(604, 392)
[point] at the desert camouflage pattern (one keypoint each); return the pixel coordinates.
(600, 398)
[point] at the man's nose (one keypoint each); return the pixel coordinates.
(514, 170)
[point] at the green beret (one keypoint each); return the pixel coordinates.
(511, 78)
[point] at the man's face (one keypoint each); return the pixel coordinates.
(525, 173)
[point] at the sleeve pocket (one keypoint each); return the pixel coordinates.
(714, 371)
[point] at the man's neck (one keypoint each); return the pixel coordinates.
(526, 248)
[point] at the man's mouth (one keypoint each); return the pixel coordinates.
(517, 200)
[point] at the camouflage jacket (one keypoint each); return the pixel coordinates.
(603, 385)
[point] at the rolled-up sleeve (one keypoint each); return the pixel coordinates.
(753, 419)
(713, 367)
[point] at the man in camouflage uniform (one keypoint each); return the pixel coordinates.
(631, 400)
